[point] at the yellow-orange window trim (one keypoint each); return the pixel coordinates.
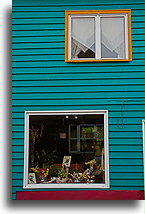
(92, 12)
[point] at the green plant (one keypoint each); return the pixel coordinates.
(54, 171)
(48, 158)
(62, 173)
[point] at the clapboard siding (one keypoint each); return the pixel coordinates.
(17, 129)
(42, 81)
(57, 26)
(124, 183)
(117, 168)
(114, 148)
(53, 70)
(115, 135)
(115, 155)
(58, 57)
(58, 13)
(114, 176)
(53, 51)
(58, 44)
(113, 162)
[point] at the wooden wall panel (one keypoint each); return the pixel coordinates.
(40, 74)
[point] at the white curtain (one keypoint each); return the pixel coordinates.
(113, 37)
(83, 36)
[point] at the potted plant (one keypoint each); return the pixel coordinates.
(47, 159)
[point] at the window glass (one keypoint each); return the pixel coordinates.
(113, 37)
(73, 131)
(87, 131)
(73, 145)
(82, 38)
(65, 149)
(86, 145)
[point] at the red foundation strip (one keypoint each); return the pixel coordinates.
(81, 195)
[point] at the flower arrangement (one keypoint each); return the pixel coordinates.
(86, 176)
(60, 175)
(42, 172)
(91, 163)
(80, 177)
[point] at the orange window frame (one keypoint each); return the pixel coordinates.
(92, 12)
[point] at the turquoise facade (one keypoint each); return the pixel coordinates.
(42, 81)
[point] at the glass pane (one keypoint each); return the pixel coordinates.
(82, 38)
(86, 145)
(73, 131)
(97, 147)
(100, 132)
(73, 145)
(87, 132)
(113, 37)
(47, 149)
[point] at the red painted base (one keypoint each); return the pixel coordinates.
(81, 195)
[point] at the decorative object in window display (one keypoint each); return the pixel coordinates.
(31, 178)
(98, 36)
(77, 159)
(66, 161)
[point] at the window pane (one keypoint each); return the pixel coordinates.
(86, 145)
(73, 131)
(100, 132)
(83, 142)
(82, 38)
(73, 145)
(113, 37)
(87, 132)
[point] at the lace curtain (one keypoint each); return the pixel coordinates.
(112, 37)
(83, 35)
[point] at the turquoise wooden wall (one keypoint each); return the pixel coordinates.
(43, 81)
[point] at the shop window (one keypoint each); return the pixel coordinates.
(66, 149)
(98, 36)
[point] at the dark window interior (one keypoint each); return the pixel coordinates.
(88, 54)
(51, 139)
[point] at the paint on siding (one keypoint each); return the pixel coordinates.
(42, 81)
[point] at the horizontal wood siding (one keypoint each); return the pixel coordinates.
(42, 81)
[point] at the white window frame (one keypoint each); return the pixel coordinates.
(128, 49)
(67, 185)
(143, 138)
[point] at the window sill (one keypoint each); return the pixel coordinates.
(100, 60)
(59, 186)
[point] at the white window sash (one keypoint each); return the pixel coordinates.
(98, 35)
(67, 185)
(126, 36)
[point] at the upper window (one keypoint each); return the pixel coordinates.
(98, 36)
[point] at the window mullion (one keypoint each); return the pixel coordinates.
(126, 36)
(69, 38)
(69, 138)
(78, 138)
(97, 37)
